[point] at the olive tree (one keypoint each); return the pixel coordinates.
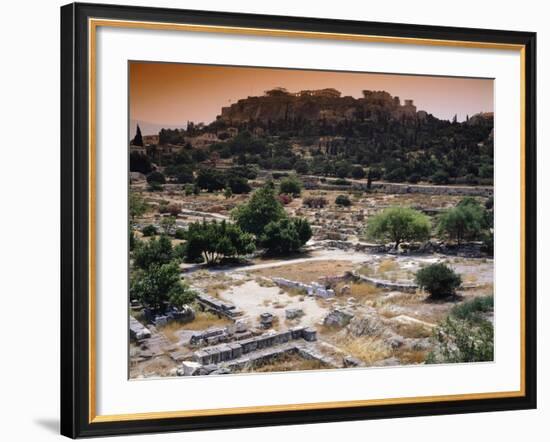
(438, 280)
(398, 224)
(160, 284)
(463, 222)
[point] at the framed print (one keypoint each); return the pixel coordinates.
(279, 220)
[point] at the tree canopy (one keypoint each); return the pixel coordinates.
(399, 224)
(285, 235)
(262, 208)
(160, 284)
(155, 251)
(137, 205)
(215, 241)
(463, 222)
(138, 139)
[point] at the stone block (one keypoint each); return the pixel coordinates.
(293, 313)
(310, 334)
(297, 332)
(214, 354)
(249, 345)
(202, 357)
(191, 368)
(161, 320)
(241, 326)
(207, 369)
(350, 361)
(338, 318)
(225, 352)
(285, 336)
(236, 350)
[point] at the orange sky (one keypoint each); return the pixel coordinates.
(171, 94)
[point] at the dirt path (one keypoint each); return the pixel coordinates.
(319, 255)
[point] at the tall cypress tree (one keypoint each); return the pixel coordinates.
(138, 139)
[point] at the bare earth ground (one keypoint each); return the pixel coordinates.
(305, 272)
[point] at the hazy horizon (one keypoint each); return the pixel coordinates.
(171, 94)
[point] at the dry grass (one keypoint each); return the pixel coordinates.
(288, 362)
(367, 348)
(265, 282)
(202, 321)
(413, 330)
(387, 265)
(216, 288)
(401, 298)
(469, 279)
(159, 365)
(387, 312)
(361, 291)
(306, 272)
(295, 292)
(409, 356)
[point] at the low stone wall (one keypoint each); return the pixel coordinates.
(403, 188)
(384, 284)
(312, 289)
(486, 191)
(220, 307)
(234, 350)
(138, 332)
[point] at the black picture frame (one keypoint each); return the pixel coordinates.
(75, 221)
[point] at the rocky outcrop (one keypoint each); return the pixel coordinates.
(338, 318)
(366, 325)
(326, 105)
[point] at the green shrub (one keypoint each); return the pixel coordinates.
(301, 167)
(438, 280)
(341, 182)
(156, 177)
(399, 174)
(358, 172)
(210, 179)
(315, 202)
(440, 177)
(149, 230)
(291, 186)
(155, 187)
(286, 235)
(473, 309)
(463, 222)
(179, 234)
(238, 185)
(342, 200)
(459, 340)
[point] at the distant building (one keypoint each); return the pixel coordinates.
(327, 93)
(203, 140)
